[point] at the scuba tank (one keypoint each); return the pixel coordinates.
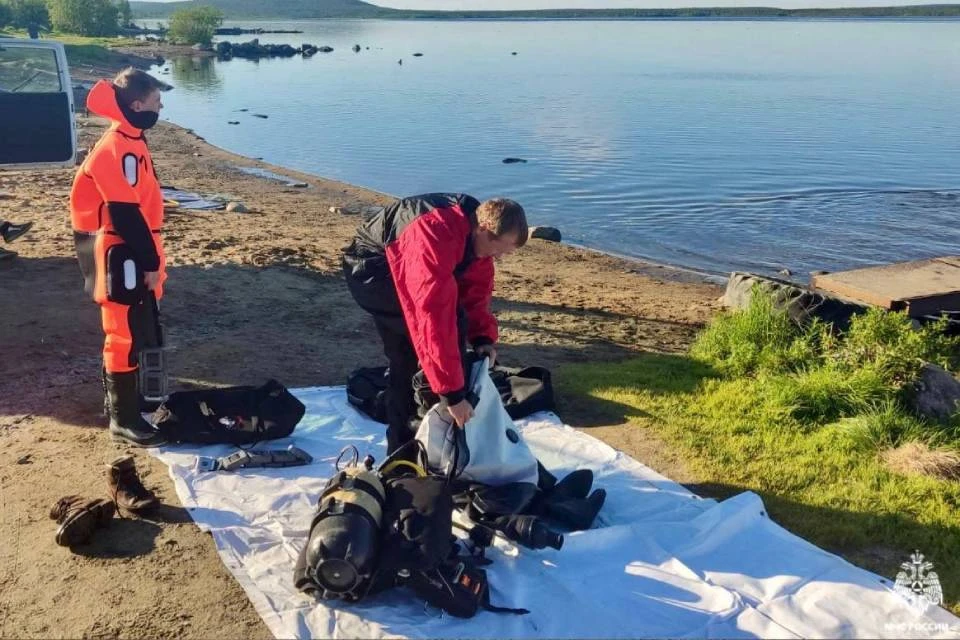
(343, 547)
(379, 528)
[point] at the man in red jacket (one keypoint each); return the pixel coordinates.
(423, 268)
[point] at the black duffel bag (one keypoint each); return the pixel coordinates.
(523, 391)
(231, 415)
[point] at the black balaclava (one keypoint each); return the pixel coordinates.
(142, 120)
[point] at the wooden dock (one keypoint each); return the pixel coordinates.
(921, 288)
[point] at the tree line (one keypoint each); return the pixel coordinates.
(82, 17)
(191, 25)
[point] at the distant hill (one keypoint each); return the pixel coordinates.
(287, 9)
(301, 9)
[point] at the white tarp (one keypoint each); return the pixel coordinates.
(662, 562)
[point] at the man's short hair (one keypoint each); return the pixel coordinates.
(134, 84)
(501, 216)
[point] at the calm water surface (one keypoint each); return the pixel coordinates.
(724, 145)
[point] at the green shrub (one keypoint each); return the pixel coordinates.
(889, 343)
(194, 25)
(26, 13)
(760, 337)
(84, 17)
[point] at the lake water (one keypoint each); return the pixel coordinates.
(716, 145)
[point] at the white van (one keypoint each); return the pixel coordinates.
(36, 105)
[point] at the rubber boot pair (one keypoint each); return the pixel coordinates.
(571, 503)
(122, 403)
(80, 517)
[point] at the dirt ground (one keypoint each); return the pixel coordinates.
(249, 296)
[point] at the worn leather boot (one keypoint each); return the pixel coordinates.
(78, 517)
(126, 423)
(125, 488)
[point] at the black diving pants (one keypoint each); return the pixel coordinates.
(402, 415)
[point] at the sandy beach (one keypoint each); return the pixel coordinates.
(250, 296)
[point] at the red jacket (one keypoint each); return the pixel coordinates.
(428, 272)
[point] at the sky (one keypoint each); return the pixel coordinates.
(639, 4)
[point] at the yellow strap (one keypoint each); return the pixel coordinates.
(355, 496)
(404, 463)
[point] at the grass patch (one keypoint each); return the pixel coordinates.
(815, 423)
(73, 39)
(84, 50)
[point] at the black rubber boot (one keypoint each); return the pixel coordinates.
(576, 513)
(11, 231)
(575, 485)
(126, 423)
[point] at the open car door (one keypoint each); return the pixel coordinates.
(36, 105)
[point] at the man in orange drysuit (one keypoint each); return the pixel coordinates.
(116, 209)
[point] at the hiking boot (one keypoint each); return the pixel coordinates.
(126, 423)
(6, 254)
(125, 488)
(11, 231)
(78, 517)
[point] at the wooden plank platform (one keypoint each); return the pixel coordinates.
(921, 288)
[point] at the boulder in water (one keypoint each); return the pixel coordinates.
(550, 234)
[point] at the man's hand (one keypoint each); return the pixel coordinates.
(488, 350)
(461, 413)
(151, 279)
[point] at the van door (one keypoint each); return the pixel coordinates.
(36, 105)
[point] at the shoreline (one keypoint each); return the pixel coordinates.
(86, 80)
(645, 266)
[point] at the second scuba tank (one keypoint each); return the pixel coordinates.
(341, 553)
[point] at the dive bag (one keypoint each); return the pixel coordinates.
(232, 415)
(522, 391)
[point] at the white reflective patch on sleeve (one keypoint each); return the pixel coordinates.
(129, 275)
(130, 166)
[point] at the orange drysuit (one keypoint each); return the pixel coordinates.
(116, 209)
